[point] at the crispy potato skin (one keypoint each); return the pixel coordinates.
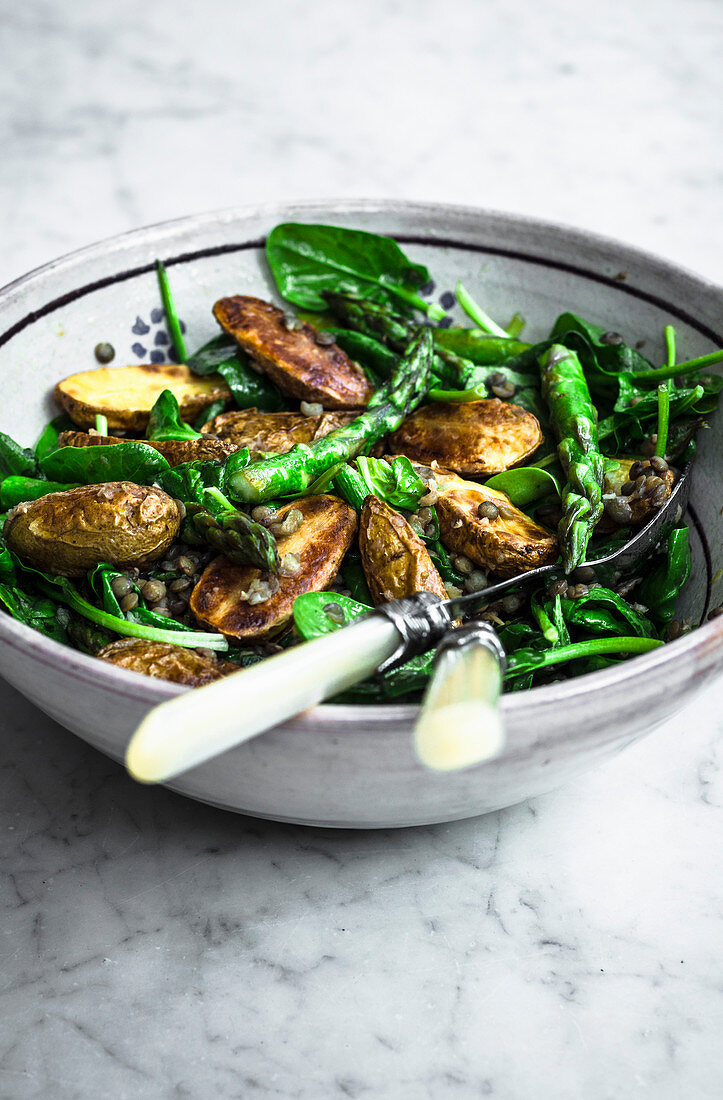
(321, 542)
(293, 360)
(165, 662)
(474, 437)
(272, 431)
(642, 508)
(395, 560)
(505, 546)
(118, 522)
(126, 395)
(175, 451)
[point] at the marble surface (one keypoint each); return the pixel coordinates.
(569, 947)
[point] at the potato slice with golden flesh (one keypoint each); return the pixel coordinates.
(298, 360)
(163, 661)
(175, 451)
(395, 560)
(509, 544)
(473, 437)
(126, 395)
(118, 522)
(273, 431)
(219, 600)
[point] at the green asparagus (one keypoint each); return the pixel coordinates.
(295, 471)
(574, 421)
(233, 534)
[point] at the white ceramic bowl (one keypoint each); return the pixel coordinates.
(353, 765)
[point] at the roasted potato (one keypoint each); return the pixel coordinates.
(118, 522)
(272, 431)
(175, 451)
(221, 598)
(126, 395)
(297, 358)
(395, 560)
(507, 544)
(474, 437)
(163, 661)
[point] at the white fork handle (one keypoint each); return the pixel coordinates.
(460, 722)
(203, 723)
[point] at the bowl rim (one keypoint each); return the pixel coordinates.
(704, 642)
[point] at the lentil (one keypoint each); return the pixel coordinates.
(311, 408)
(129, 602)
(463, 564)
(488, 510)
(325, 339)
(153, 591)
(334, 612)
(289, 564)
(104, 352)
(291, 522)
(121, 586)
(504, 389)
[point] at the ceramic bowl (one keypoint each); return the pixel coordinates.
(354, 766)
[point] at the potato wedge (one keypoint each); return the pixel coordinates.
(272, 431)
(395, 560)
(163, 661)
(219, 600)
(126, 395)
(294, 359)
(509, 544)
(175, 451)
(118, 522)
(474, 437)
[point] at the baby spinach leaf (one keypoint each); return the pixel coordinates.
(525, 484)
(662, 584)
(395, 482)
(15, 459)
(312, 616)
(478, 346)
(16, 490)
(39, 612)
(132, 461)
(307, 259)
(165, 420)
(249, 389)
(606, 611)
(377, 360)
(48, 440)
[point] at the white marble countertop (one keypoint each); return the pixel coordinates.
(568, 947)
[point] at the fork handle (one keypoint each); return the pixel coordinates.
(460, 723)
(193, 727)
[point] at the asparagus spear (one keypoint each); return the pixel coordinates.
(574, 421)
(293, 472)
(375, 320)
(233, 534)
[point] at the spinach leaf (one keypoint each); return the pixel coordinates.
(15, 459)
(524, 485)
(395, 483)
(165, 420)
(307, 259)
(662, 584)
(376, 359)
(604, 611)
(478, 346)
(16, 490)
(189, 480)
(132, 461)
(311, 618)
(62, 590)
(48, 440)
(39, 612)
(249, 389)
(352, 572)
